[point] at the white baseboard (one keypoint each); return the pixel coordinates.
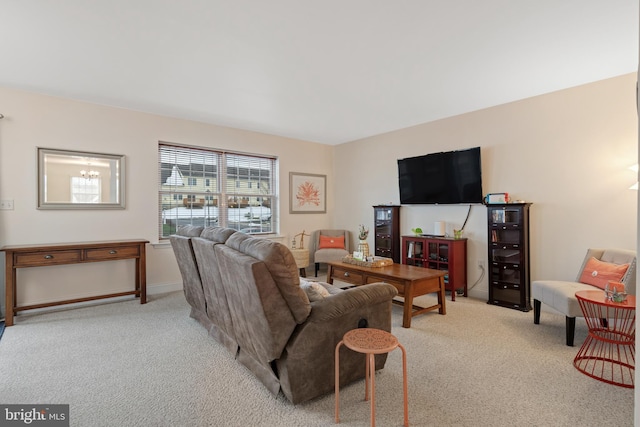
(164, 288)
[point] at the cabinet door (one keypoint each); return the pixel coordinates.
(383, 214)
(383, 241)
(506, 295)
(383, 244)
(506, 273)
(413, 252)
(506, 236)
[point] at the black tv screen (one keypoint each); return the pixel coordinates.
(441, 178)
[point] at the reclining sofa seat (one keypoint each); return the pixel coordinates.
(201, 280)
(285, 340)
(221, 327)
(191, 282)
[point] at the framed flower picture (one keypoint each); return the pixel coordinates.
(307, 193)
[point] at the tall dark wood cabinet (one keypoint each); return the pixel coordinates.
(509, 275)
(387, 231)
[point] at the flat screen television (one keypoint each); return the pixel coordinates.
(450, 177)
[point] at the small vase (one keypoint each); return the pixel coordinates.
(363, 247)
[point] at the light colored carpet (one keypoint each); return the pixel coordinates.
(126, 364)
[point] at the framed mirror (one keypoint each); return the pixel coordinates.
(80, 180)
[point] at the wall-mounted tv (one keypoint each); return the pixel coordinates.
(450, 177)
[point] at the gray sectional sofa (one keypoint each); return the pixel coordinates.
(246, 291)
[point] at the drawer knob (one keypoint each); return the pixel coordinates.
(48, 257)
(346, 274)
(112, 252)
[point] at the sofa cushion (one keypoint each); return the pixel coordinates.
(599, 273)
(314, 290)
(189, 230)
(217, 234)
(320, 289)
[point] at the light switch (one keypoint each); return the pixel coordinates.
(6, 205)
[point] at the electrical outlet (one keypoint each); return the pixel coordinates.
(6, 205)
(481, 264)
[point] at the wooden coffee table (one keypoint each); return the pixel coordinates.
(410, 281)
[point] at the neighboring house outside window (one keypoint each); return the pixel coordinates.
(201, 186)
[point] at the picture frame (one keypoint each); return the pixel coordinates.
(307, 193)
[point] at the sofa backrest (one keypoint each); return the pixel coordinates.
(261, 318)
(261, 282)
(282, 267)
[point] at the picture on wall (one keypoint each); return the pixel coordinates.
(307, 193)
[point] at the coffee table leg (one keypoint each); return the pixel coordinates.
(408, 306)
(441, 300)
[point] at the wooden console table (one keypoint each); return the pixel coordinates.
(72, 253)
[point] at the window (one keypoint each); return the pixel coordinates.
(201, 186)
(85, 190)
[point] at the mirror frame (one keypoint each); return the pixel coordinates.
(120, 165)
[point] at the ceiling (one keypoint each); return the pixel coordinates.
(328, 71)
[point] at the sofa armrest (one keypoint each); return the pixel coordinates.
(306, 367)
(350, 300)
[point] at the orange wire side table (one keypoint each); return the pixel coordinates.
(371, 341)
(608, 352)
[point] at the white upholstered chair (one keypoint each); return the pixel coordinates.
(320, 254)
(560, 295)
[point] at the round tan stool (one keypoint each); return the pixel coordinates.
(371, 342)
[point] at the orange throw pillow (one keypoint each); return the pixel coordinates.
(327, 242)
(598, 273)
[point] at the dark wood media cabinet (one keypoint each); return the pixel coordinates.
(72, 253)
(387, 231)
(439, 253)
(509, 275)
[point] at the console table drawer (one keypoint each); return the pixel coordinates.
(347, 276)
(35, 259)
(112, 253)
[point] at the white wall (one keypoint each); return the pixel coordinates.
(567, 152)
(33, 120)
